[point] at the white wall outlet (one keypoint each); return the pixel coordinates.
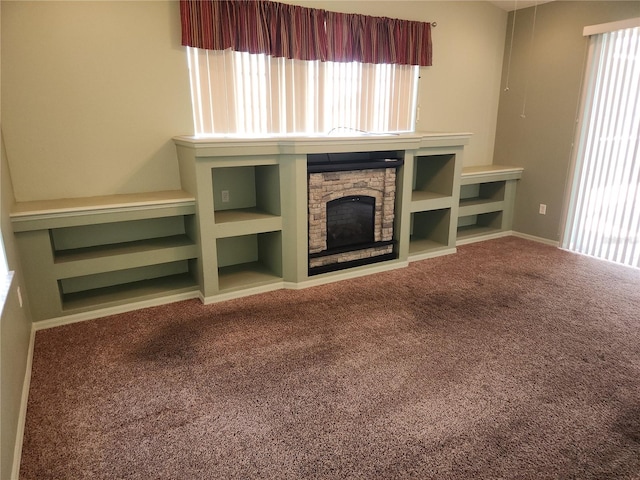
(225, 196)
(543, 209)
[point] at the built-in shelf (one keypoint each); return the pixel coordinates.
(433, 177)
(84, 254)
(246, 275)
(242, 215)
(249, 260)
(490, 173)
(430, 231)
(471, 202)
(479, 206)
(146, 246)
(245, 193)
(247, 225)
(231, 223)
(418, 196)
(476, 231)
(100, 204)
(487, 195)
(132, 291)
(430, 201)
(422, 246)
(434, 198)
(241, 223)
(106, 258)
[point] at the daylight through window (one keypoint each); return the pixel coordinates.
(237, 93)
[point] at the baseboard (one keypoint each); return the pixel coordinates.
(105, 312)
(22, 414)
(482, 238)
(432, 254)
(546, 241)
(246, 292)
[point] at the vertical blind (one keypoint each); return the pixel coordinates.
(254, 94)
(604, 211)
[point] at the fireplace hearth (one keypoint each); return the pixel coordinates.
(351, 209)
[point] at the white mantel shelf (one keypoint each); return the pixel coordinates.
(63, 212)
(487, 173)
(292, 145)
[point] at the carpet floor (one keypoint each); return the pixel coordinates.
(507, 360)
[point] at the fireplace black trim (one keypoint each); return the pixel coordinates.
(352, 263)
(345, 161)
(365, 165)
(351, 248)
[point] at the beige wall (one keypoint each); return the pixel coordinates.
(548, 74)
(15, 335)
(15, 332)
(93, 91)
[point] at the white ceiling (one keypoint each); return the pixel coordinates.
(510, 5)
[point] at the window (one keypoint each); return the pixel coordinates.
(238, 93)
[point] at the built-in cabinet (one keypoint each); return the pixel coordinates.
(487, 196)
(92, 253)
(240, 223)
(434, 200)
(252, 205)
(247, 225)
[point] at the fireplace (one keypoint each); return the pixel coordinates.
(351, 209)
(350, 221)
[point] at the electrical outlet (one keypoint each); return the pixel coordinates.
(19, 297)
(543, 209)
(225, 196)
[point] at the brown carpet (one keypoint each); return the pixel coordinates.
(510, 359)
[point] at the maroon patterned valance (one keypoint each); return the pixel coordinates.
(291, 31)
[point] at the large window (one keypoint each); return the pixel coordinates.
(254, 94)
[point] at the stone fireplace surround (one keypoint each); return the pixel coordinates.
(324, 187)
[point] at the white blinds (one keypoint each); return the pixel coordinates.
(248, 94)
(604, 212)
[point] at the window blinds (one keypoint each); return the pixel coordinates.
(604, 210)
(253, 94)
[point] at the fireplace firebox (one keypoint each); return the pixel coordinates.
(351, 209)
(350, 221)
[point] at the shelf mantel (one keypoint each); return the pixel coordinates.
(293, 145)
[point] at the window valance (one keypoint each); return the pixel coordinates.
(291, 31)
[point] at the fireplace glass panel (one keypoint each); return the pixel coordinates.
(350, 221)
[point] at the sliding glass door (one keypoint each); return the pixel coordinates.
(603, 216)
